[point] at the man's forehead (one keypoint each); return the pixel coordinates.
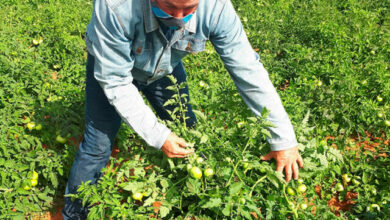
(180, 3)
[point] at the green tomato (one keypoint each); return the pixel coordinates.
(303, 206)
(374, 207)
(300, 181)
(319, 83)
(38, 127)
(34, 182)
(34, 175)
(60, 139)
(228, 159)
(380, 115)
(290, 191)
(30, 125)
(199, 160)
(189, 166)
(242, 200)
(137, 196)
(379, 98)
(196, 172)
(339, 187)
(208, 172)
(346, 178)
(387, 122)
(355, 182)
(26, 187)
(302, 188)
(245, 163)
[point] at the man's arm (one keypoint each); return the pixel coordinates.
(255, 87)
(111, 45)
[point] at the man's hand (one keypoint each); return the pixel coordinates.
(174, 147)
(288, 160)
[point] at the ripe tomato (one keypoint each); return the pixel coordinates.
(302, 188)
(60, 139)
(137, 196)
(34, 182)
(196, 172)
(34, 175)
(208, 172)
(339, 187)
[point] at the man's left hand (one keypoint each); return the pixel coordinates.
(288, 160)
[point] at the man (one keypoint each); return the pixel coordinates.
(132, 46)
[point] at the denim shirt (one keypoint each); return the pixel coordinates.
(128, 44)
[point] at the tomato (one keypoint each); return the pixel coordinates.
(199, 160)
(373, 191)
(60, 139)
(290, 191)
(292, 205)
(303, 206)
(300, 181)
(34, 175)
(339, 187)
(228, 159)
(380, 115)
(379, 98)
(26, 187)
(196, 172)
(208, 172)
(374, 207)
(387, 123)
(137, 196)
(34, 182)
(38, 127)
(302, 188)
(355, 182)
(245, 163)
(30, 125)
(242, 200)
(189, 166)
(346, 178)
(319, 83)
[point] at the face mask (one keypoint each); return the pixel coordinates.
(167, 19)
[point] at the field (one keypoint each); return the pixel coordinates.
(328, 60)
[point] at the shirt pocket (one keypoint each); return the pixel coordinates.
(189, 45)
(142, 54)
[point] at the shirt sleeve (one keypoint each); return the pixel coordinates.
(250, 77)
(111, 47)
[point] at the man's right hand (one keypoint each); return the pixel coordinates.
(174, 147)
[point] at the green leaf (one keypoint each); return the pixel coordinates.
(235, 188)
(164, 211)
(213, 202)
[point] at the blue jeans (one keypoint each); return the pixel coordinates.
(102, 123)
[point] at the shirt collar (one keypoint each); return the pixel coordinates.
(151, 23)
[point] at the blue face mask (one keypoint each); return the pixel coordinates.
(167, 19)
